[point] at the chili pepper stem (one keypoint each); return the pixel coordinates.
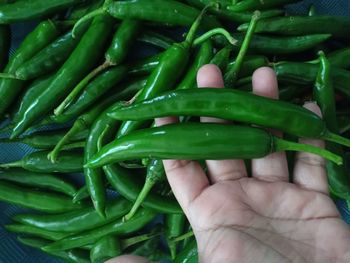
(77, 127)
(82, 84)
(332, 137)
(183, 237)
(232, 74)
(283, 145)
(97, 12)
(213, 32)
(142, 195)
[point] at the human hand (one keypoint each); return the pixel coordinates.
(263, 218)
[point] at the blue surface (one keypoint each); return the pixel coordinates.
(13, 252)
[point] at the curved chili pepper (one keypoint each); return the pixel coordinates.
(338, 176)
(45, 181)
(303, 25)
(38, 200)
(68, 162)
(71, 256)
(233, 105)
(246, 5)
(78, 220)
(41, 36)
(19, 11)
(87, 53)
(226, 142)
(5, 43)
(115, 54)
(118, 227)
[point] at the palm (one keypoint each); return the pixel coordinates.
(273, 222)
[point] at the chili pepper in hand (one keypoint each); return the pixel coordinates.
(87, 53)
(41, 36)
(38, 200)
(45, 181)
(68, 162)
(192, 140)
(78, 220)
(71, 256)
(338, 176)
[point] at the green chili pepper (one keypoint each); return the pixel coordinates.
(34, 231)
(106, 248)
(70, 256)
(49, 58)
(68, 162)
(87, 53)
(189, 254)
(249, 65)
(115, 54)
(246, 5)
(118, 227)
(233, 105)
(144, 66)
(48, 139)
(155, 173)
(222, 12)
(78, 220)
(46, 181)
(340, 58)
(232, 73)
(241, 143)
(38, 200)
(82, 194)
(155, 39)
(174, 226)
(303, 25)
(22, 10)
(5, 43)
(41, 36)
(221, 58)
(338, 176)
(305, 74)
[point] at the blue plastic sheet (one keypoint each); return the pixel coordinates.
(12, 251)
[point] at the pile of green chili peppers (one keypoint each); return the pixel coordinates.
(80, 74)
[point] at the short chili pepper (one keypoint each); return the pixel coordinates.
(87, 53)
(5, 43)
(118, 227)
(78, 220)
(338, 176)
(68, 162)
(38, 200)
(42, 35)
(233, 105)
(249, 5)
(303, 25)
(44, 181)
(226, 142)
(23, 10)
(71, 256)
(115, 54)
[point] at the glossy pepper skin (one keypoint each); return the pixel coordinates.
(251, 5)
(118, 227)
(37, 200)
(44, 181)
(227, 104)
(78, 220)
(22, 10)
(303, 25)
(41, 36)
(88, 52)
(338, 175)
(69, 162)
